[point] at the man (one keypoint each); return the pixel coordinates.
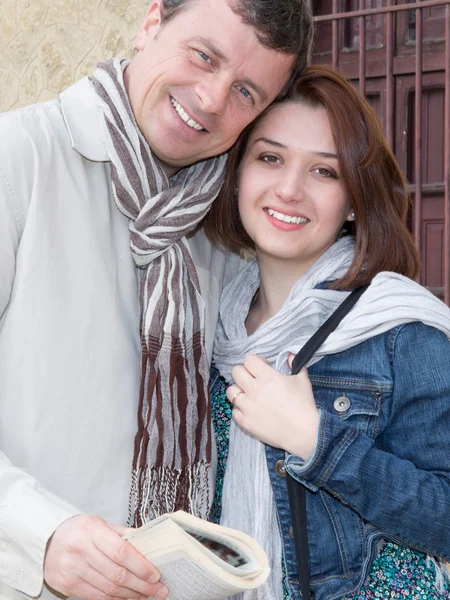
(76, 177)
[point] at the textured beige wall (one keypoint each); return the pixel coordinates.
(45, 45)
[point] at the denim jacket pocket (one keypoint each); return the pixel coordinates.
(357, 402)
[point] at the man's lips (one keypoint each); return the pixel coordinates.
(190, 122)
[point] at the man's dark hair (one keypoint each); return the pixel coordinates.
(283, 25)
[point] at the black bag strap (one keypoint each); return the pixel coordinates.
(296, 491)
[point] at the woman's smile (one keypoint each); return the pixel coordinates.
(285, 221)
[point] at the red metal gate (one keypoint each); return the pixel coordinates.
(399, 55)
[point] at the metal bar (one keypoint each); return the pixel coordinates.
(447, 160)
(362, 51)
(335, 37)
(378, 11)
(418, 133)
(429, 189)
(390, 77)
(310, 5)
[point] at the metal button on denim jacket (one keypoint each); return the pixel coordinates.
(381, 467)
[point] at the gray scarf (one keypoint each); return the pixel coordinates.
(391, 300)
(172, 448)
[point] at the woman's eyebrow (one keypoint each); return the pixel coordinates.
(269, 141)
(280, 145)
(325, 154)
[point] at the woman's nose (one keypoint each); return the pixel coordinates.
(290, 187)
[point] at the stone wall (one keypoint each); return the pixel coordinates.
(45, 45)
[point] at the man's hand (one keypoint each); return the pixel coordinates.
(87, 557)
(277, 409)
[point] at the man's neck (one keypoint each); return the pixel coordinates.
(168, 170)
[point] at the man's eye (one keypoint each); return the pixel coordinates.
(204, 56)
(244, 91)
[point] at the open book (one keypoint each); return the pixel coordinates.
(199, 560)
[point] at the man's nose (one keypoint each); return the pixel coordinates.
(214, 94)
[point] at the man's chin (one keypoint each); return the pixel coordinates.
(172, 165)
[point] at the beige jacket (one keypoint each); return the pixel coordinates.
(69, 343)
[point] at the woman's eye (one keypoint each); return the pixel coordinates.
(244, 91)
(325, 172)
(204, 56)
(270, 158)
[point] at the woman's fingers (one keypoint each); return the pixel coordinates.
(233, 393)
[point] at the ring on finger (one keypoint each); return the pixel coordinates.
(234, 398)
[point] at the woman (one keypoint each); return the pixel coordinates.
(317, 194)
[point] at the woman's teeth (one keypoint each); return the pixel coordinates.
(286, 218)
(186, 118)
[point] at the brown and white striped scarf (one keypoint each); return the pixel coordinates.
(172, 449)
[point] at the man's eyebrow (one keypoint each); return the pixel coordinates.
(213, 49)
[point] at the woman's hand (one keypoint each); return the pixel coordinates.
(277, 409)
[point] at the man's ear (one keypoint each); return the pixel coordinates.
(151, 24)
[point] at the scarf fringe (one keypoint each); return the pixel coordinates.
(160, 490)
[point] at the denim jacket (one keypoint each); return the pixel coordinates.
(381, 468)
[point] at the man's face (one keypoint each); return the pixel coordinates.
(199, 79)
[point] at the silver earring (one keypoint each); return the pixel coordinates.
(352, 215)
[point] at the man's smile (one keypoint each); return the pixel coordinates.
(186, 118)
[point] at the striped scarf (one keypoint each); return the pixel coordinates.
(172, 448)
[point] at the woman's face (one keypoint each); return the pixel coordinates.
(292, 201)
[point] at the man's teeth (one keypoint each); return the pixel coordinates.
(186, 118)
(286, 218)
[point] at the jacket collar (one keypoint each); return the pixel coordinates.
(84, 120)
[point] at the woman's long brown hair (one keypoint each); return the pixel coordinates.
(375, 185)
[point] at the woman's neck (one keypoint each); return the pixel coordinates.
(276, 281)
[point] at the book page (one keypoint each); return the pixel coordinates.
(186, 580)
(254, 557)
(227, 554)
(201, 560)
